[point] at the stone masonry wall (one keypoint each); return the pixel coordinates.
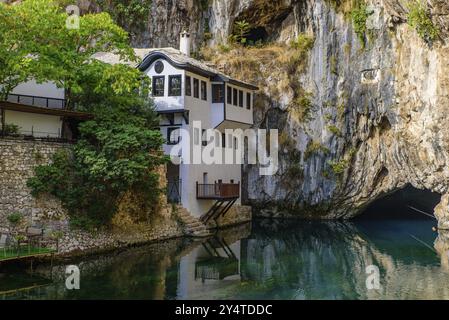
(18, 158)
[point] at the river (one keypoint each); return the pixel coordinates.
(267, 259)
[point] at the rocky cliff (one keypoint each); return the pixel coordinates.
(361, 115)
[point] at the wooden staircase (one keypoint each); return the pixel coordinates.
(192, 226)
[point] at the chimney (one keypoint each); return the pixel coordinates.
(184, 43)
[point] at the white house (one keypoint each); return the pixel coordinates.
(186, 91)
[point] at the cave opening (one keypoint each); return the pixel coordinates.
(406, 203)
(257, 35)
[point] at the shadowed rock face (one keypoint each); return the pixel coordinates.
(388, 99)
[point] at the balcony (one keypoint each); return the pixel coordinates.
(36, 101)
(218, 191)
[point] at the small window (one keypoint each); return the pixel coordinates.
(248, 100)
(158, 86)
(196, 88)
(234, 97)
(229, 95)
(241, 98)
(173, 136)
(217, 93)
(188, 86)
(203, 90)
(223, 140)
(159, 67)
(174, 85)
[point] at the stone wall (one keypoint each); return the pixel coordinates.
(18, 158)
(237, 214)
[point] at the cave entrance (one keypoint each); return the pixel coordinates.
(407, 203)
(256, 35)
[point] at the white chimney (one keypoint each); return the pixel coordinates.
(184, 43)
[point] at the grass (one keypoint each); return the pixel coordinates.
(419, 18)
(11, 252)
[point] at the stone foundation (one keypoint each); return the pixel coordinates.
(18, 159)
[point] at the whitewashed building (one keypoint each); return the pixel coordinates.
(187, 92)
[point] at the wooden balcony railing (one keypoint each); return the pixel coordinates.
(43, 102)
(218, 191)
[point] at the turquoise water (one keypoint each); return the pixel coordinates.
(267, 259)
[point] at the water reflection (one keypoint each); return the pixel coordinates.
(267, 260)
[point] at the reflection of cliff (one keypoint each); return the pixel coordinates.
(328, 260)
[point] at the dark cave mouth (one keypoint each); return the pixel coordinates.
(257, 35)
(406, 203)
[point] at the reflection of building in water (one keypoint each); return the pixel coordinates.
(209, 268)
(220, 263)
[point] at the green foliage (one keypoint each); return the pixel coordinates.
(303, 42)
(295, 172)
(11, 129)
(241, 31)
(43, 48)
(419, 18)
(303, 106)
(359, 16)
(117, 152)
(334, 129)
(132, 14)
(315, 147)
(15, 218)
(333, 65)
(339, 167)
(204, 4)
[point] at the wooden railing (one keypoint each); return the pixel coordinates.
(217, 191)
(36, 101)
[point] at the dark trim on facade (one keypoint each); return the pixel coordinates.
(150, 58)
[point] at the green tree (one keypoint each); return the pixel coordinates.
(36, 43)
(241, 31)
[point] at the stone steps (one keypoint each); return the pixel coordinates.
(192, 226)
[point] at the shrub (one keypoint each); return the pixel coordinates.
(332, 128)
(315, 147)
(419, 19)
(359, 17)
(11, 129)
(15, 218)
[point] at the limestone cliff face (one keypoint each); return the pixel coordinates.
(378, 118)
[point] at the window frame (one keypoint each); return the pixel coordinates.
(248, 100)
(241, 98)
(220, 89)
(188, 86)
(154, 86)
(235, 97)
(196, 88)
(170, 88)
(203, 90)
(229, 95)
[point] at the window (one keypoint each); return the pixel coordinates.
(173, 136)
(241, 98)
(203, 90)
(188, 86)
(196, 88)
(235, 97)
(217, 93)
(223, 140)
(158, 86)
(248, 100)
(174, 85)
(229, 95)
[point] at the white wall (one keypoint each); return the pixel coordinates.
(42, 125)
(46, 89)
(167, 102)
(240, 114)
